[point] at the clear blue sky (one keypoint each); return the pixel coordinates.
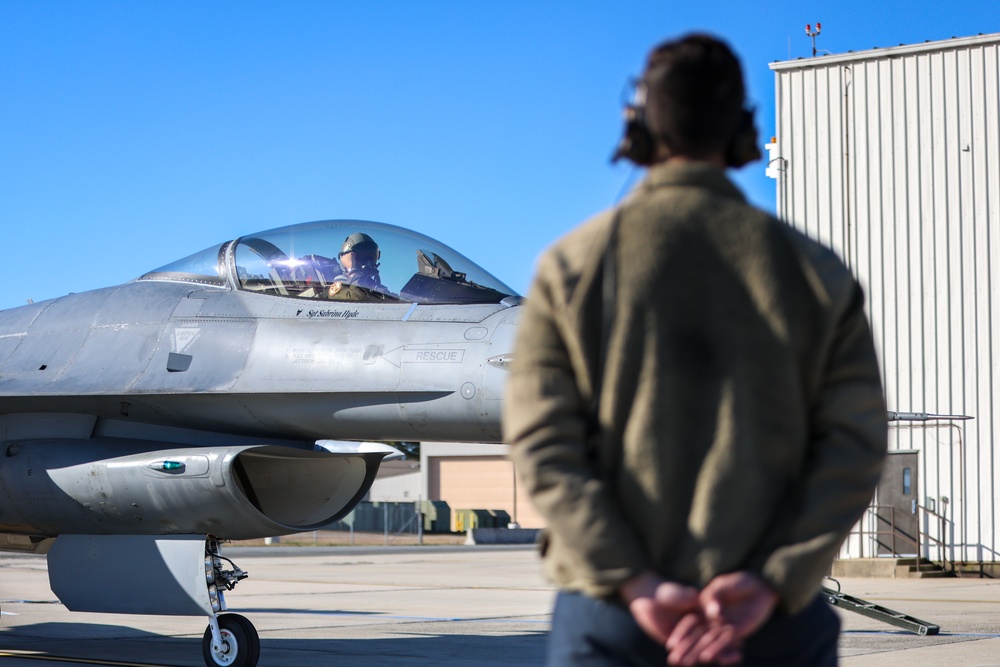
(133, 133)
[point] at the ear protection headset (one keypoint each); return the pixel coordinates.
(639, 146)
(742, 148)
(637, 143)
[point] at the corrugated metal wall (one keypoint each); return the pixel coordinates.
(893, 157)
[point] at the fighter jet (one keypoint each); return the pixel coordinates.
(210, 399)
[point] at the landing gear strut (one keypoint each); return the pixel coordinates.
(230, 639)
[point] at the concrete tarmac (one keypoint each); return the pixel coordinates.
(411, 606)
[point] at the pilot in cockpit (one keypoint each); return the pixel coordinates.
(359, 279)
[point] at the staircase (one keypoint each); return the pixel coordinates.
(889, 568)
(919, 568)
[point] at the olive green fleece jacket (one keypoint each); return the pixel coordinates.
(743, 420)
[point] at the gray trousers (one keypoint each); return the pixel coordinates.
(587, 632)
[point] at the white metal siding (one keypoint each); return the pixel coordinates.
(893, 158)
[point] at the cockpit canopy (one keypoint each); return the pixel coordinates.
(305, 261)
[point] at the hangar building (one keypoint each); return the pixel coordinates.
(464, 476)
(892, 157)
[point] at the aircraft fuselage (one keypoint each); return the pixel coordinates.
(222, 360)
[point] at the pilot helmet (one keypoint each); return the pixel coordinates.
(366, 252)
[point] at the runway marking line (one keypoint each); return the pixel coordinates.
(29, 655)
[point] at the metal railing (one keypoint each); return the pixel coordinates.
(942, 543)
(888, 535)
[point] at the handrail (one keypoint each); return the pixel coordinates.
(879, 515)
(946, 563)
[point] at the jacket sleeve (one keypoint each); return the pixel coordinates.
(849, 432)
(545, 421)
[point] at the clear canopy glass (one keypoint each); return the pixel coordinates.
(341, 260)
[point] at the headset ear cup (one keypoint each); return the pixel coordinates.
(637, 144)
(742, 148)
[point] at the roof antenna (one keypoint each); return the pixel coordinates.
(809, 31)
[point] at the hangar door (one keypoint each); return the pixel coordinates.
(480, 482)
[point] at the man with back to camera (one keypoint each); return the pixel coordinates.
(695, 403)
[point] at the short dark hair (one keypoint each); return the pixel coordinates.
(694, 94)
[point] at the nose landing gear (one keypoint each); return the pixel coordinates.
(230, 639)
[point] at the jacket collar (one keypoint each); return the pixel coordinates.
(699, 175)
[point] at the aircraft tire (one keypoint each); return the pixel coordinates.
(240, 639)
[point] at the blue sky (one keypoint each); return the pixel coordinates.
(133, 133)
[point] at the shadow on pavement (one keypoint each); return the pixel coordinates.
(87, 643)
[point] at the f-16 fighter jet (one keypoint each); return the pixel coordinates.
(143, 424)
